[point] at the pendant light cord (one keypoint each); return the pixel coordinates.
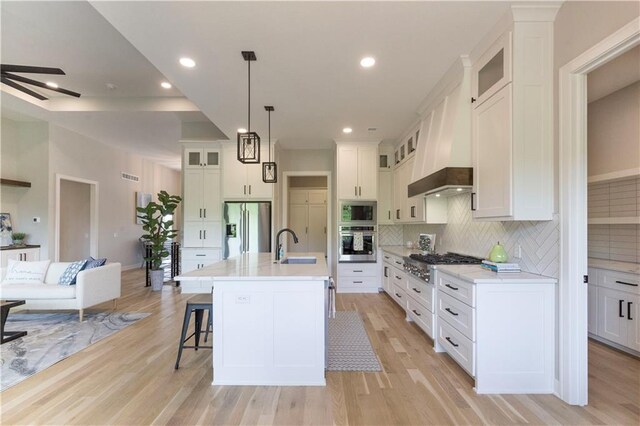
(249, 102)
(269, 135)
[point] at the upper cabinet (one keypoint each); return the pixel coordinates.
(512, 120)
(244, 181)
(196, 158)
(357, 171)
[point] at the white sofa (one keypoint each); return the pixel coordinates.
(93, 286)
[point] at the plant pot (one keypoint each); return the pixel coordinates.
(157, 279)
(18, 243)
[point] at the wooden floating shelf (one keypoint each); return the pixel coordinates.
(11, 182)
(633, 220)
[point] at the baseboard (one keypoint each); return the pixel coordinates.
(614, 345)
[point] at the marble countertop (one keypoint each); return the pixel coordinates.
(479, 275)
(399, 250)
(613, 265)
(261, 266)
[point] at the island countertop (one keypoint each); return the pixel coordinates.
(262, 267)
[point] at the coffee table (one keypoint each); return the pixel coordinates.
(7, 336)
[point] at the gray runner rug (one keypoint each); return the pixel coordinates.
(52, 337)
(349, 345)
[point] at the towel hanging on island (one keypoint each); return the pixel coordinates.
(358, 241)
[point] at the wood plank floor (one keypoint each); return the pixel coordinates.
(129, 379)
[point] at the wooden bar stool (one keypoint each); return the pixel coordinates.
(197, 304)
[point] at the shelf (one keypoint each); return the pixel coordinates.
(613, 176)
(633, 220)
(11, 182)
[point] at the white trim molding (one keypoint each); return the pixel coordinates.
(573, 343)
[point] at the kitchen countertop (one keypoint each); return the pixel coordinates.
(614, 265)
(399, 250)
(479, 275)
(249, 266)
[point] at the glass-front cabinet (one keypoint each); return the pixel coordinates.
(196, 158)
(492, 71)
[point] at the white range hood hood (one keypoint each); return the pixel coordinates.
(443, 156)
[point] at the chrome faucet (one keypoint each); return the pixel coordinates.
(279, 244)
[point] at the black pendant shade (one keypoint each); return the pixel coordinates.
(249, 142)
(8, 77)
(269, 168)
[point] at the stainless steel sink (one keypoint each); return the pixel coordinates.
(307, 260)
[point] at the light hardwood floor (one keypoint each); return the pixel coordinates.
(129, 379)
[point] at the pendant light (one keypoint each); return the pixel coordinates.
(249, 142)
(269, 168)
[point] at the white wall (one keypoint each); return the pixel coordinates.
(75, 220)
(75, 155)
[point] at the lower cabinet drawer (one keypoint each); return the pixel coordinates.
(461, 290)
(461, 349)
(622, 281)
(357, 269)
(205, 254)
(421, 316)
(398, 278)
(399, 295)
(457, 314)
(355, 283)
(421, 292)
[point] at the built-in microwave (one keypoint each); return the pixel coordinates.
(358, 212)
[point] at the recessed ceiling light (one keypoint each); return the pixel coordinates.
(347, 130)
(242, 130)
(187, 62)
(367, 62)
(165, 85)
(52, 84)
(459, 189)
(437, 195)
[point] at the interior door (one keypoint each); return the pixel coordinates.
(368, 172)
(298, 216)
(317, 236)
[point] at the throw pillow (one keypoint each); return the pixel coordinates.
(69, 275)
(94, 263)
(26, 272)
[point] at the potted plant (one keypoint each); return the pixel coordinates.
(18, 238)
(157, 232)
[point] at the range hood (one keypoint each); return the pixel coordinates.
(443, 157)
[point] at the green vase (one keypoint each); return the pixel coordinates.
(498, 254)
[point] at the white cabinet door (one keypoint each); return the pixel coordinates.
(385, 197)
(399, 195)
(317, 196)
(211, 234)
(317, 223)
(593, 309)
(193, 158)
(211, 204)
(193, 188)
(298, 196)
(492, 70)
(347, 172)
(633, 322)
(612, 321)
(256, 188)
(367, 172)
(298, 216)
(492, 165)
(192, 234)
(234, 174)
(31, 255)
(211, 158)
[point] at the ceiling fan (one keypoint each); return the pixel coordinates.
(8, 78)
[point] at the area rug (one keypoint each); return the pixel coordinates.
(349, 346)
(53, 337)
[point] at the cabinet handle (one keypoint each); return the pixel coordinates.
(473, 99)
(451, 287)
(200, 255)
(386, 257)
(389, 214)
(398, 295)
(625, 283)
(473, 207)
(205, 234)
(416, 312)
(451, 341)
(249, 189)
(306, 229)
(620, 303)
(200, 216)
(398, 278)
(205, 213)
(416, 290)
(629, 310)
(399, 263)
(245, 189)
(360, 191)
(397, 213)
(357, 282)
(355, 191)
(413, 211)
(201, 234)
(455, 314)
(357, 270)
(386, 271)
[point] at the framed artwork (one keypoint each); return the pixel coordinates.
(142, 199)
(6, 230)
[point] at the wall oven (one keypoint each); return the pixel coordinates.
(358, 213)
(357, 244)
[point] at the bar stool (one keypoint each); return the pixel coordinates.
(197, 304)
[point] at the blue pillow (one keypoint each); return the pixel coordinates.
(69, 275)
(94, 263)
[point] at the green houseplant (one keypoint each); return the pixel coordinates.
(157, 232)
(18, 238)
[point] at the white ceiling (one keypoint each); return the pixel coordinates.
(308, 59)
(614, 75)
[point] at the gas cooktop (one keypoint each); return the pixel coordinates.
(446, 259)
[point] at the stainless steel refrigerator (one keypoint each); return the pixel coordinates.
(247, 228)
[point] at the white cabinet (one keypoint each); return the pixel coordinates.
(358, 278)
(512, 123)
(385, 197)
(308, 219)
(244, 181)
(416, 209)
(193, 258)
(25, 254)
(198, 158)
(202, 203)
(357, 171)
(613, 308)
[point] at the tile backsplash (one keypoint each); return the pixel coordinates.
(539, 241)
(390, 235)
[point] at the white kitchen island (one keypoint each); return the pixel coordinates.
(269, 319)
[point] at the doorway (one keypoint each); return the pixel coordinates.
(573, 148)
(76, 219)
(307, 214)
